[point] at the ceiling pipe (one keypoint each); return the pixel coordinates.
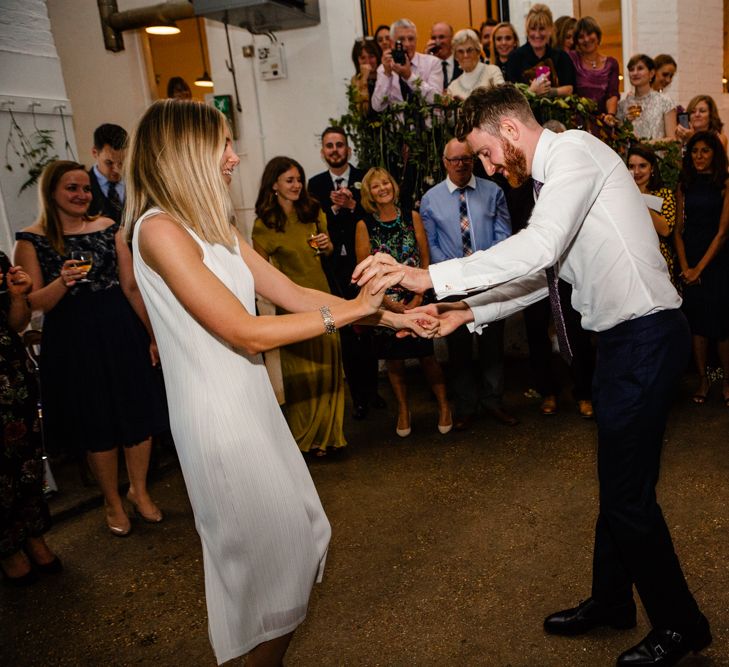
(114, 22)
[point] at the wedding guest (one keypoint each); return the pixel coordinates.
(387, 228)
(24, 516)
(178, 89)
(666, 68)
(558, 77)
(652, 114)
(475, 74)
(485, 31)
(366, 57)
(586, 199)
(398, 82)
(107, 185)
(95, 329)
(703, 255)
(262, 526)
(504, 41)
(563, 36)
(643, 165)
(291, 231)
(703, 116)
(382, 37)
(596, 75)
(440, 45)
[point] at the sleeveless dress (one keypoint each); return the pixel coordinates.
(706, 304)
(264, 533)
(94, 341)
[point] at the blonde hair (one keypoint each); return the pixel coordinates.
(368, 203)
(173, 163)
(539, 16)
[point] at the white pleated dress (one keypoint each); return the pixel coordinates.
(263, 530)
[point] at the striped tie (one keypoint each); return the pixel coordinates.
(465, 223)
(556, 303)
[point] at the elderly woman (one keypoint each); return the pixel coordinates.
(504, 41)
(97, 339)
(366, 56)
(291, 232)
(596, 75)
(387, 228)
(652, 114)
(703, 255)
(666, 68)
(703, 117)
(466, 48)
(548, 71)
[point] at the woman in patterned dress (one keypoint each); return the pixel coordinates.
(387, 228)
(24, 516)
(99, 386)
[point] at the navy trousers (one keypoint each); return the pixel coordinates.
(638, 365)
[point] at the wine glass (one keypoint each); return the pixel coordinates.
(84, 261)
(311, 240)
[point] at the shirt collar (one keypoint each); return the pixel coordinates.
(540, 155)
(344, 176)
(452, 187)
(100, 178)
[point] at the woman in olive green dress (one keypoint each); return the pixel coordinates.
(291, 232)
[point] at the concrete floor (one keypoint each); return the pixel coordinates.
(446, 550)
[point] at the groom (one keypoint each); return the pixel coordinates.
(591, 228)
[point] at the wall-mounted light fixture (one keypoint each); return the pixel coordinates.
(162, 16)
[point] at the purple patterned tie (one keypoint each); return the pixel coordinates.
(465, 223)
(556, 303)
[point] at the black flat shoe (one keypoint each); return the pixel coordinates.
(666, 647)
(588, 615)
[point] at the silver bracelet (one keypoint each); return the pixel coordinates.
(326, 315)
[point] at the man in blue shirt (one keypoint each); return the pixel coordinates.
(107, 187)
(461, 215)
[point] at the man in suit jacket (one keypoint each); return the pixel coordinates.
(441, 46)
(107, 187)
(337, 190)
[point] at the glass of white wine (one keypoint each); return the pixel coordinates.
(84, 261)
(311, 240)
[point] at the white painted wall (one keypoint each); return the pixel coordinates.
(30, 73)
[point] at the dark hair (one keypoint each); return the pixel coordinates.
(267, 207)
(380, 28)
(177, 83)
(641, 58)
(588, 25)
(719, 164)
(109, 134)
(484, 108)
(561, 27)
(487, 22)
(369, 45)
(334, 129)
(664, 59)
(648, 154)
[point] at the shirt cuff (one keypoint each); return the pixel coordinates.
(447, 278)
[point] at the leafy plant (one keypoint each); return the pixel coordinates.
(33, 152)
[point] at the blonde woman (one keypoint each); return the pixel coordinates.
(466, 48)
(263, 529)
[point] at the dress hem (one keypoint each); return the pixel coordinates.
(243, 649)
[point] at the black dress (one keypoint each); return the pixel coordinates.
(706, 304)
(98, 387)
(23, 509)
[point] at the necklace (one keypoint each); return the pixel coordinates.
(593, 63)
(78, 231)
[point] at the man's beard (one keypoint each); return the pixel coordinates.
(336, 163)
(515, 164)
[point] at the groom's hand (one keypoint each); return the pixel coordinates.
(450, 315)
(415, 280)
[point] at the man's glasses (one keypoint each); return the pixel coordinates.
(460, 160)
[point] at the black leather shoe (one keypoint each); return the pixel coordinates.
(666, 647)
(588, 615)
(359, 411)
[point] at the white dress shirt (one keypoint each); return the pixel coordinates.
(591, 218)
(426, 73)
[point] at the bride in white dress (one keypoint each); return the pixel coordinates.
(263, 530)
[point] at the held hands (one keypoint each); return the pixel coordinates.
(18, 281)
(343, 198)
(450, 315)
(691, 276)
(383, 266)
